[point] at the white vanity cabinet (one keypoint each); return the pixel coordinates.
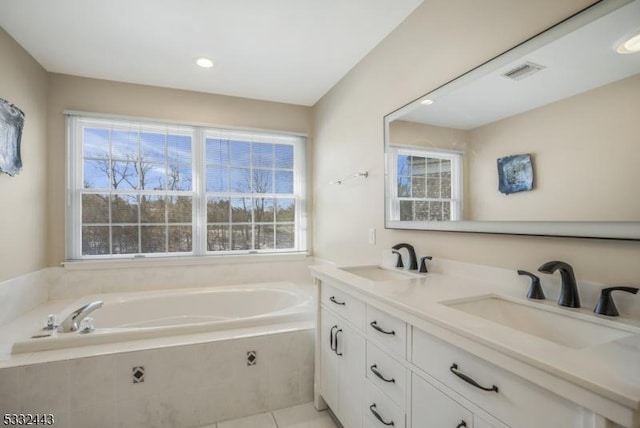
(342, 355)
(378, 366)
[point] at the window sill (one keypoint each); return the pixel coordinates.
(142, 262)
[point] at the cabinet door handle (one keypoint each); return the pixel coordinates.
(374, 369)
(336, 336)
(462, 424)
(464, 377)
(377, 415)
(375, 326)
(331, 338)
(333, 299)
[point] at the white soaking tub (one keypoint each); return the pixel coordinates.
(152, 314)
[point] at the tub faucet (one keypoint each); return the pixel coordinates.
(413, 261)
(569, 292)
(72, 322)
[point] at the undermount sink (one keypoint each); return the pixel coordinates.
(379, 273)
(572, 330)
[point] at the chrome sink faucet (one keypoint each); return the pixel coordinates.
(413, 261)
(72, 322)
(569, 293)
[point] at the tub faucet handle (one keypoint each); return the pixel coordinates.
(50, 322)
(535, 290)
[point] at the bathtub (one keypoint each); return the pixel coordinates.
(153, 314)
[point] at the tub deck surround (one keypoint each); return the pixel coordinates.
(604, 377)
(185, 384)
(143, 315)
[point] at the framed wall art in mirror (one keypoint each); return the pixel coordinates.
(11, 124)
(568, 98)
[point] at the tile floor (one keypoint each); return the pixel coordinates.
(302, 416)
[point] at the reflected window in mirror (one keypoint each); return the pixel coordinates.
(426, 184)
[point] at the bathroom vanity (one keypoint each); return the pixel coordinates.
(406, 350)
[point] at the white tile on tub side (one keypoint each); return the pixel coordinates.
(231, 388)
(262, 420)
(142, 411)
(44, 388)
(9, 390)
(123, 375)
(100, 415)
(295, 358)
(179, 408)
(303, 416)
(92, 381)
(180, 366)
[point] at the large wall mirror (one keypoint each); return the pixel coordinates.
(541, 140)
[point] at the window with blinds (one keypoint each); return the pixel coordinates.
(427, 185)
(138, 188)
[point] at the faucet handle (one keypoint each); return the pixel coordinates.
(399, 263)
(423, 263)
(606, 305)
(535, 289)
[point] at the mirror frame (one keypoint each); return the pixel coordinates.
(629, 230)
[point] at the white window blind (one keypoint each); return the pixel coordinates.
(141, 188)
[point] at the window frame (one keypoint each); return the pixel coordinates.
(457, 195)
(77, 121)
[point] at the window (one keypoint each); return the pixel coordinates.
(426, 185)
(138, 188)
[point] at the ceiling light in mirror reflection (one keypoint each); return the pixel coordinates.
(631, 45)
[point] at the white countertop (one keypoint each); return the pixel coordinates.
(609, 370)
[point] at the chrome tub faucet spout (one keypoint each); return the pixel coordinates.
(72, 322)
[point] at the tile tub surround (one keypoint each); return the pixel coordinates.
(77, 279)
(184, 386)
(21, 294)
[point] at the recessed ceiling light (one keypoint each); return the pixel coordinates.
(204, 62)
(426, 102)
(630, 44)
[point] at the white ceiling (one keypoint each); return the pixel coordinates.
(289, 51)
(580, 60)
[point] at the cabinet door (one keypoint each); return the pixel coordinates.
(351, 346)
(432, 409)
(329, 361)
(481, 423)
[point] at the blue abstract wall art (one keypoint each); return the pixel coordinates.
(11, 124)
(515, 174)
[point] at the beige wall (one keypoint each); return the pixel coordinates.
(440, 40)
(23, 214)
(76, 93)
(585, 153)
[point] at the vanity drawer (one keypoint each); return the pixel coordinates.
(388, 412)
(343, 303)
(516, 401)
(386, 330)
(432, 408)
(386, 373)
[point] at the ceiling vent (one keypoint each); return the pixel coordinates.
(525, 70)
